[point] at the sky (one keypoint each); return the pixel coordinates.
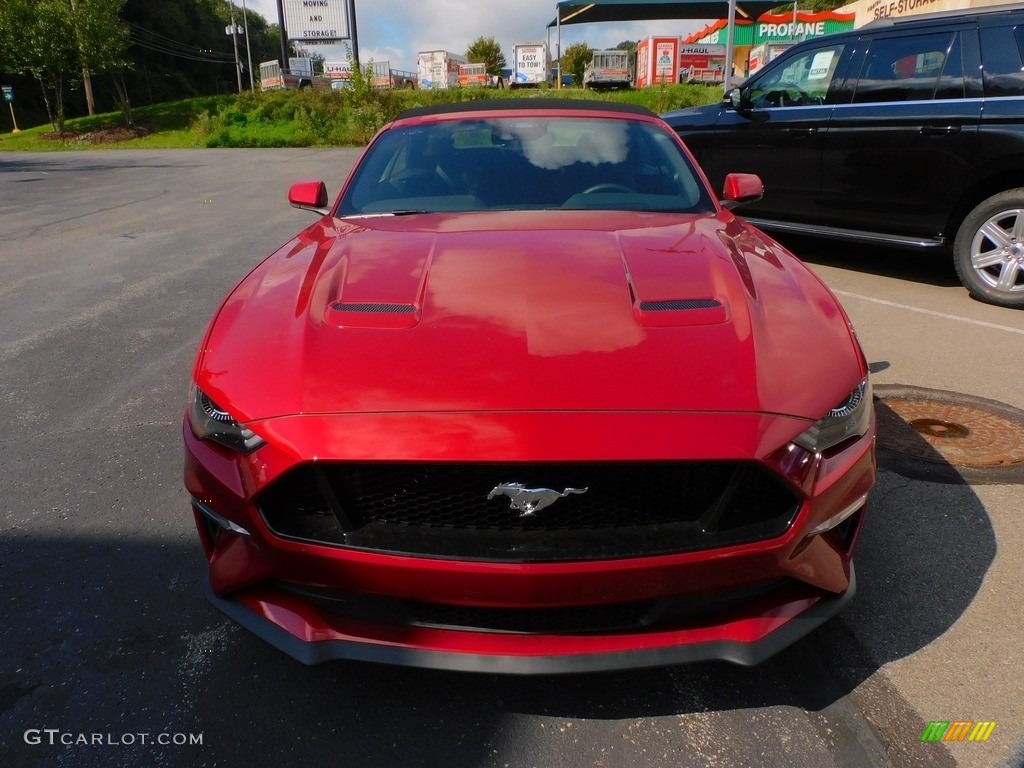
(395, 30)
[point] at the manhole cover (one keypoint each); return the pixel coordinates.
(948, 436)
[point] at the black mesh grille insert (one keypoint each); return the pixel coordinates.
(668, 305)
(443, 510)
(375, 309)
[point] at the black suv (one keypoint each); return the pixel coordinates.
(907, 132)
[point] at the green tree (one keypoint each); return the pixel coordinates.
(575, 59)
(56, 39)
(102, 39)
(174, 49)
(179, 47)
(8, 51)
(487, 51)
(39, 40)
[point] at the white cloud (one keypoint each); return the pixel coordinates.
(395, 30)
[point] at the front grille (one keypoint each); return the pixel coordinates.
(443, 510)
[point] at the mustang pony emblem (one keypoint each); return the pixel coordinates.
(530, 500)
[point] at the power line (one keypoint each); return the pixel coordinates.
(156, 37)
(145, 38)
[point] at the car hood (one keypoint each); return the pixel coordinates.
(529, 311)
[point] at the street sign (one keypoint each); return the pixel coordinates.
(9, 98)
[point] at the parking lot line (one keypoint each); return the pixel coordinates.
(932, 312)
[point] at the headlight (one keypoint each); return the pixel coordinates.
(850, 418)
(211, 422)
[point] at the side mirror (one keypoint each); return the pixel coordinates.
(740, 188)
(310, 196)
(733, 99)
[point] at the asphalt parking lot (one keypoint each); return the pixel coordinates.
(111, 264)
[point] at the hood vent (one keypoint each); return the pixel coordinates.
(372, 314)
(669, 305)
(673, 313)
(374, 308)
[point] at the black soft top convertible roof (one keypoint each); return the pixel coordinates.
(493, 105)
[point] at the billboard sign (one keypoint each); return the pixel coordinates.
(316, 21)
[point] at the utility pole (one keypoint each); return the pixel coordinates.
(248, 50)
(233, 31)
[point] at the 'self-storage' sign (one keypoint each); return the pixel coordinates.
(317, 21)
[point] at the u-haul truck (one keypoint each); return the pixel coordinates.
(438, 70)
(657, 61)
(531, 65)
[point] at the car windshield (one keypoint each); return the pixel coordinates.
(525, 163)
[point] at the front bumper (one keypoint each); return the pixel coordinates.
(794, 582)
(287, 627)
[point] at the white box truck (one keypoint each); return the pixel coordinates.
(438, 70)
(531, 65)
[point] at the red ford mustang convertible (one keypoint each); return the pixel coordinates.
(528, 398)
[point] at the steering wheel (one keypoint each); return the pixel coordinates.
(606, 187)
(789, 95)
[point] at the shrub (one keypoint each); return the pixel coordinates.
(317, 117)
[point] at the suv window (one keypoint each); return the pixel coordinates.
(1002, 66)
(919, 144)
(907, 68)
(951, 83)
(804, 80)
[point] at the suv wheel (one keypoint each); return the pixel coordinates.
(989, 250)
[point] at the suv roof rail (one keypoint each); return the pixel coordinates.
(939, 15)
